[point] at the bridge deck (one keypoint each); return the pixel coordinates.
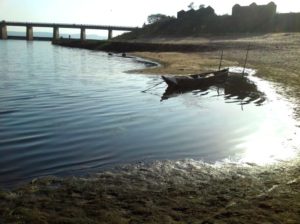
(65, 25)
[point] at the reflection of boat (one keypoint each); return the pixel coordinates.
(243, 89)
(237, 88)
(198, 80)
(175, 91)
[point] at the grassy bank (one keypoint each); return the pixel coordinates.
(126, 46)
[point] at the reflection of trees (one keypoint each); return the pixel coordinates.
(237, 88)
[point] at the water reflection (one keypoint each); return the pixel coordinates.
(237, 89)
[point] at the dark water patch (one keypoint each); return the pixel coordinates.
(4, 112)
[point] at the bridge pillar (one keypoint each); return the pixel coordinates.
(3, 31)
(82, 34)
(110, 33)
(55, 33)
(29, 33)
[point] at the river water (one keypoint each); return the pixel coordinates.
(70, 112)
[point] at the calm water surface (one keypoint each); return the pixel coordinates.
(69, 111)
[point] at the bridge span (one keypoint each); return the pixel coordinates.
(83, 27)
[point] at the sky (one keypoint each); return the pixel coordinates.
(115, 12)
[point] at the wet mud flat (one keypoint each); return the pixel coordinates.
(186, 191)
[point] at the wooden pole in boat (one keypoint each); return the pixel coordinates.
(246, 58)
(221, 60)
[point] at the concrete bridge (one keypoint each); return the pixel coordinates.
(56, 26)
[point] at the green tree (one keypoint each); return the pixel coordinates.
(156, 18)
(191, 5)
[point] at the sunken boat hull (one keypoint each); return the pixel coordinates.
(198, 80)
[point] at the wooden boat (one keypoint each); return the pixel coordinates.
(236, 88)
(197, 80)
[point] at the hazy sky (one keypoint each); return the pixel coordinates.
(114, 12)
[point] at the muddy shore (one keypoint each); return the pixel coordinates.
(180, 191)
(162, 192)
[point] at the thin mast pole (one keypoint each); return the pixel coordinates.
(221, 60)
(246, 58)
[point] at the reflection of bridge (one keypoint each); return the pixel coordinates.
(56, 26)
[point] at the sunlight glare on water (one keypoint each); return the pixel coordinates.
(271, 141)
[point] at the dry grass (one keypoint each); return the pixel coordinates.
(181, 63)
(272, 38)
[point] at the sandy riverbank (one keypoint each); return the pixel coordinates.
(180, 191)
